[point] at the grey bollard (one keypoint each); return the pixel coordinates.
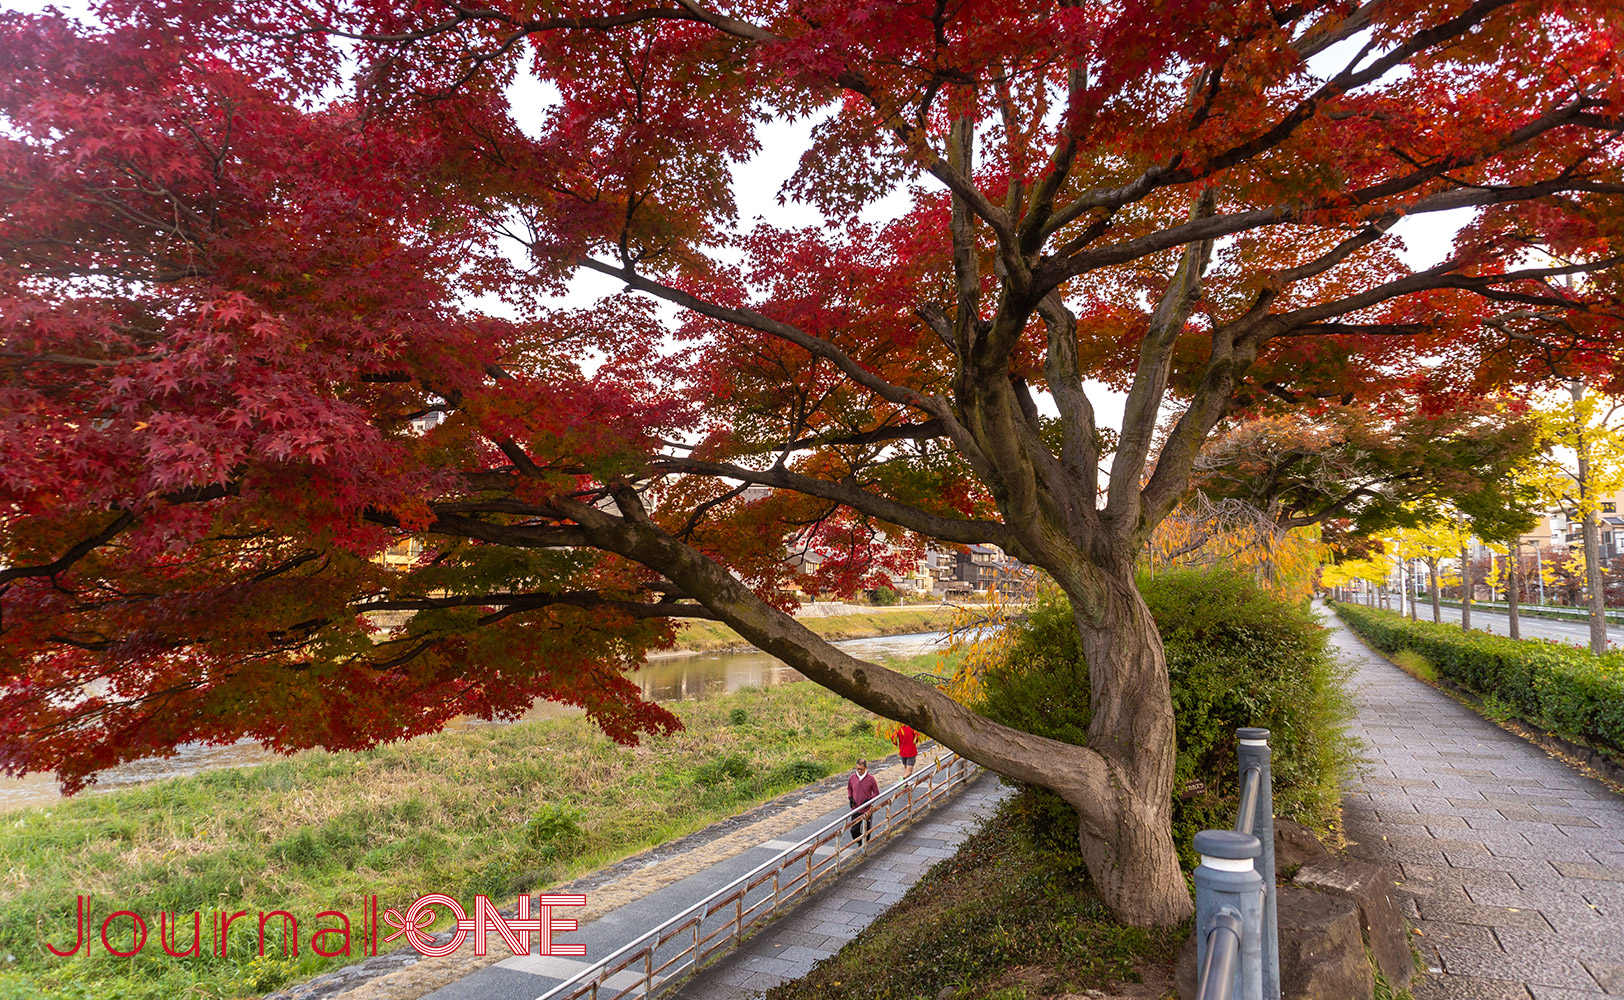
(1254, 752)
(1226, 877)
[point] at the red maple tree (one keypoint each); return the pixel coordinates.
(243, 250)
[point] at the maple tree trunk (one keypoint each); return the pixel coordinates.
(1128, 845)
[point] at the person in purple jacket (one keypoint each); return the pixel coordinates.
(860, 788)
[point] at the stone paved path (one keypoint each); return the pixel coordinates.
(1511, 863)
(788, 948)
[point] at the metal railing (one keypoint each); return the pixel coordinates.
(1237, 932)
(723, 919)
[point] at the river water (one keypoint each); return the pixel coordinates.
(670, 677)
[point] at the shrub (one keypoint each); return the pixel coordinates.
(738, 717)
(862, 727)
(731, 767)
(885, 597)
(554, 824)
(1237, 655)
(1569, 690)
(802, 772)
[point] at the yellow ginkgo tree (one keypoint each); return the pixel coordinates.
(1585, 467)
(1431, 541)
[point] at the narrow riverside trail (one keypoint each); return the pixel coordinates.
(1509, 862)
(787, 949)
(623, 903)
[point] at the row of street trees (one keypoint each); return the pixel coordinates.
(1571, 458)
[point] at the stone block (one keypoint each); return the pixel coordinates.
(1322, 953)
(1294, 844)
(1382, 927)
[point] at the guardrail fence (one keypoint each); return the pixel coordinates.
(723, 919)
(1237, 932)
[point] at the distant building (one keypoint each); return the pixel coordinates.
(987, 568)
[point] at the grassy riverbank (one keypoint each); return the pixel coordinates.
(495, 810)
(1000, 920)
(708, 637)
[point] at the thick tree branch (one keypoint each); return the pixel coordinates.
(948, 529)
(1149, 387)
(74, 553)
(1012, 753)
(1079, 436)
(512, 603)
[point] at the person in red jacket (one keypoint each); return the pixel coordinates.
(860, 788)
(907, 749)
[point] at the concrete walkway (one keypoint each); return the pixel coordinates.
(1510, 863)
(788, 948)
(859, 893)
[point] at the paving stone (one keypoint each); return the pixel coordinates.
(1608, 975)
(806, 939)
(1490, 862)
(1530, 970)
(1555, 818)
(767, 963)
(1594, 945)
(1468, 988)
(1420, 819)
(1578, 870)
(1436, 932)
(1478, 913)
(1548, 848)
(1446, 875)
(860, 906)
(1557, 993)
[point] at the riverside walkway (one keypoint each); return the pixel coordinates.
(635, 896)
(1510, 862)
(784, 949)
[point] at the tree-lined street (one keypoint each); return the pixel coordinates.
(1574, 632)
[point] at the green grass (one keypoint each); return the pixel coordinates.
(1000, 919)
(1416, 665)
(494, 810)
(705, 637)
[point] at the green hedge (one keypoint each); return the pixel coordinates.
(1237, 655)
(1569, 690)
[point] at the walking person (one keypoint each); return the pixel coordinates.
(860, 789)
(907, 749)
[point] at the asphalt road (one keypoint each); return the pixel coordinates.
(1577, 633)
